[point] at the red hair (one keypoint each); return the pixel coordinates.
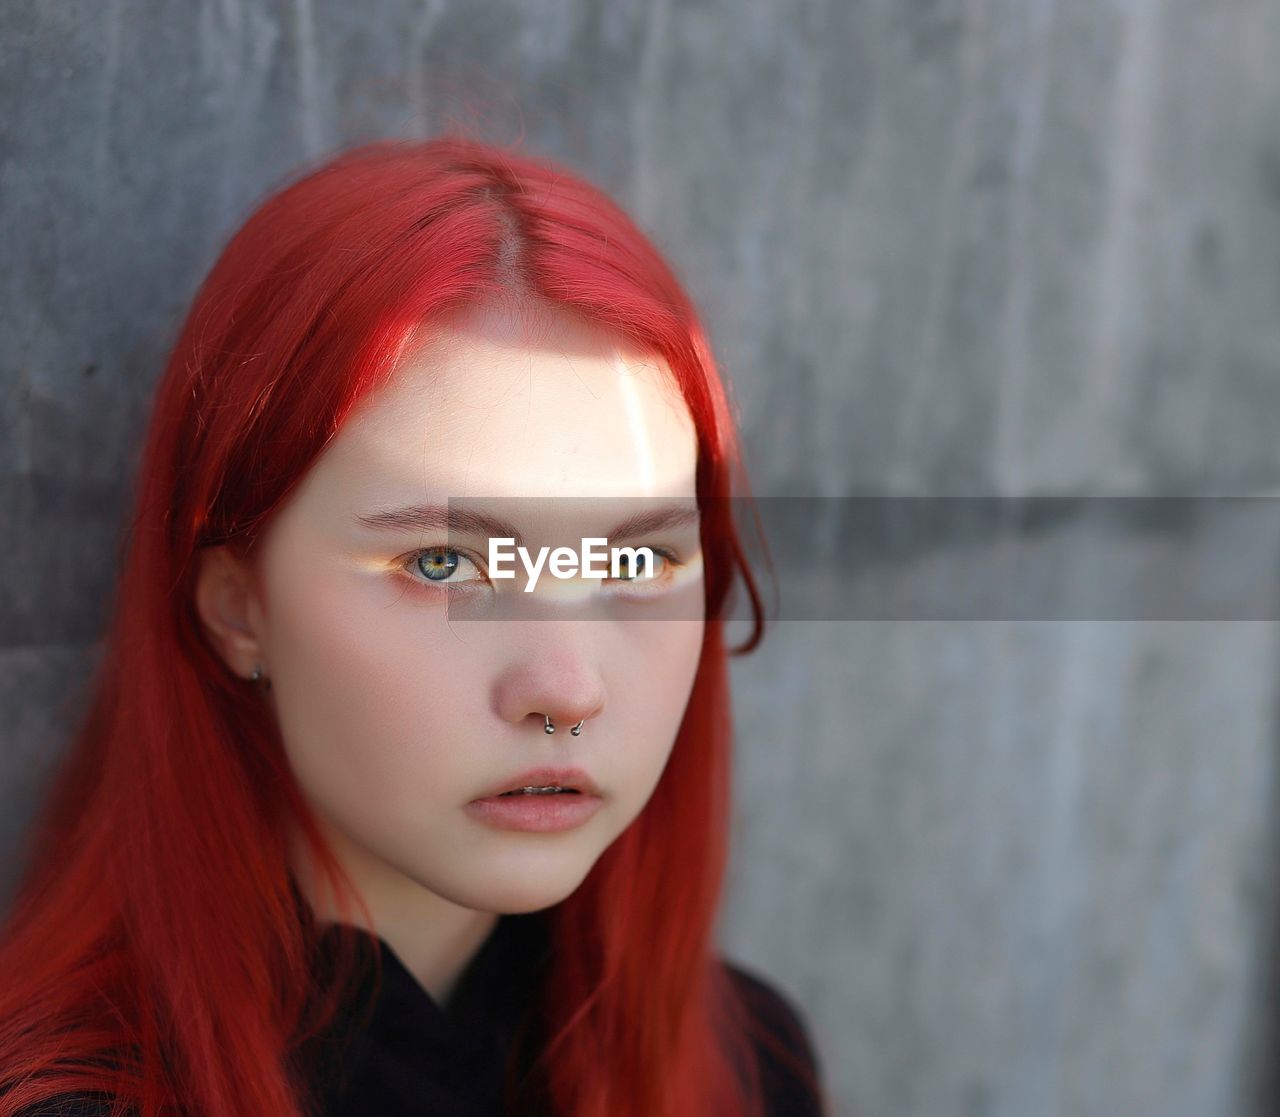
(154, 951)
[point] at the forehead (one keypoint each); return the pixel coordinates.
(486, 407)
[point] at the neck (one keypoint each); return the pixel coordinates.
(434, 938)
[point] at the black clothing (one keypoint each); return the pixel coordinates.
(415, 1056)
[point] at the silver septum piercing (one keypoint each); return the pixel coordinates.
(547, 727)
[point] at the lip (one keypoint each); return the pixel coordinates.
(536, 812)
(576, 778)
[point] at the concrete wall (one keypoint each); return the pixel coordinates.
(1010, 868)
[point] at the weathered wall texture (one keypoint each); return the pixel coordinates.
(1012, 869)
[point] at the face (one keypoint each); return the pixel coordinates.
(407, 683)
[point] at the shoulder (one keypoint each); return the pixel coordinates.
(783, 1040)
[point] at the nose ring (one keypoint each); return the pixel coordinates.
(547, 727)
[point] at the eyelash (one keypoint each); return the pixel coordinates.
(410, 562)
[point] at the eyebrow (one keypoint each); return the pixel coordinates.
(438, 517)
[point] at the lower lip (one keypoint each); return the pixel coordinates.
(536, 812)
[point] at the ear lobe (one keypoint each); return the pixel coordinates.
(224, 601)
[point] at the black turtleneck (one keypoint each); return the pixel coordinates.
(411, 1055)
(416, 1056)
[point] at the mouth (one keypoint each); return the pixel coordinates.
(540, 791)
(547, 811)
(548, 782)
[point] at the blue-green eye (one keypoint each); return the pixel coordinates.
(438, 564)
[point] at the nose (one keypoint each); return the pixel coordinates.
(560, 688)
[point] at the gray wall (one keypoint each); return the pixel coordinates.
(1010, 868)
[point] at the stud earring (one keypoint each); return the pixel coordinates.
(257, 676)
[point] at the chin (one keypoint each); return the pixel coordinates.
(525, 888)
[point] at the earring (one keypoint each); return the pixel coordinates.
(257, 676)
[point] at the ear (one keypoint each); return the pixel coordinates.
(226, 599)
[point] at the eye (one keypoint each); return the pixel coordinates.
(635, 581)
(437, 565)
(639, 571)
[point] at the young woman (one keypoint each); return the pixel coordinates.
(354, 824)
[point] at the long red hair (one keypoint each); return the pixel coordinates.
(154, 951)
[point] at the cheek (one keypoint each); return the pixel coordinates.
(674, 668)
(364, 698)
(655, 689)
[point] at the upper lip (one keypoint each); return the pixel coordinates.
(545, 777)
